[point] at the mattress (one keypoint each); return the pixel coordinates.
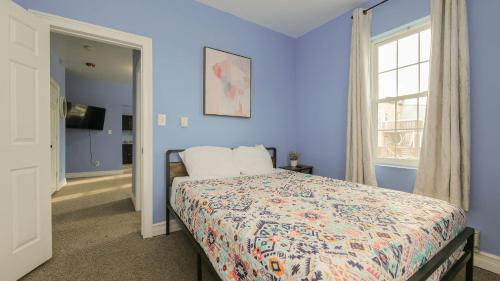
(178, 180)
(293, 226)
(175, 186)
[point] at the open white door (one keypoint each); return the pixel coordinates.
(25, 214)
(54, 136)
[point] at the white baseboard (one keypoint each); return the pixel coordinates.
(61, 184)
(93, 174)
(487, 261)
(160, 228)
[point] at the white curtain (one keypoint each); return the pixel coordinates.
(444, 169)
(360, 167)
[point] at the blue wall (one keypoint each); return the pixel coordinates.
(117, 99)
(322, 71)
(180, 29)
(307, 77)
(484, 37)
(58, 73)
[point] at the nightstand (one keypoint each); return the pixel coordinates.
(300, 168)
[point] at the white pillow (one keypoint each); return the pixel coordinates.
(209, 162)
(253, 160)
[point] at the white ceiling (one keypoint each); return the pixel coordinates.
(112, 63)
(291, 17)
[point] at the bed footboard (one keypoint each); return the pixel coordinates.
(467, 258)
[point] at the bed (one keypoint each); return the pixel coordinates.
(292, 226)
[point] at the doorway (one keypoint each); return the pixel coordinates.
(143, 100)
(96, 80)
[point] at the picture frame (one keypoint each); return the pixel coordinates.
(227, 84)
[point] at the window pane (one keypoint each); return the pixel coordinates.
(387, 57)
(425, 45)
(407, 145)
(386, 115)
(422, 108)
(408, 80)
(424, 77)
(387, 84)
(408, 50)
(385, 144)
(406, 115)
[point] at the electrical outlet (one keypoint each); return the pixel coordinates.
(184, 122)
(162, 120)
(97, 163)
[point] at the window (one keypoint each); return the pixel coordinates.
(400, 82)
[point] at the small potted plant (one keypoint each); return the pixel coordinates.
(294, 158)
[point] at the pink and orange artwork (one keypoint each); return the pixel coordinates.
(228, 84)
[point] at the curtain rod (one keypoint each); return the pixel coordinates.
(372, 7)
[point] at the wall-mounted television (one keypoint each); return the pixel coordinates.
(81, 116)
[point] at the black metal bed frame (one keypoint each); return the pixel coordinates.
(465, 237)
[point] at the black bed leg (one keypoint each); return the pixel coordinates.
(198, 267)
(469, 267)
(167, 222)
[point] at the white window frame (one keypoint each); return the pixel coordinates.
(377, 41)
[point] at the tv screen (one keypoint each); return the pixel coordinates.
(80, 116)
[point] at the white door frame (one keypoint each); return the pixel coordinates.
(144, 134)
(53, 83)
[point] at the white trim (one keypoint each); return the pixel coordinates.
(487, 261)
(160, 228)
(61, 184)
(396, 166)
(410, 164)
(144, 133)
(93, 174)
(132, 198)
(134, 202)
(414, 24)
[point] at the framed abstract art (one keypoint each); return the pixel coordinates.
(227, 88)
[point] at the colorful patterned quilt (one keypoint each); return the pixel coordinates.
(293, 226)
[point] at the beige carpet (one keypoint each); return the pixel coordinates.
(96, 236)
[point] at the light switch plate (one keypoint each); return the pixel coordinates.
(184, 122)
(110, 132)
(162, 120)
